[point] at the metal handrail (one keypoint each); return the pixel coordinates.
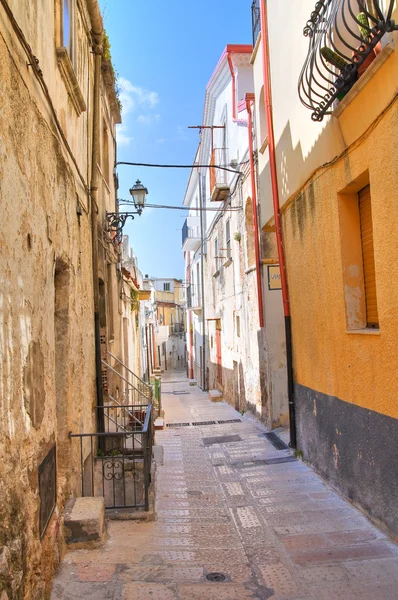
(106, 474)
(125, 407)
(146, 385)
(124, 379)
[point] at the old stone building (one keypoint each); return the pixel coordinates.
(59, 284)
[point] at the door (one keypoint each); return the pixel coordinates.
(218, 351)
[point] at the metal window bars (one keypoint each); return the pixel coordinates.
(344, 38)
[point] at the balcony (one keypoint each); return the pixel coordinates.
(191, 239)
(177, 329)
(344, 39)
(219, 186)
(256, 22)
(194, 297)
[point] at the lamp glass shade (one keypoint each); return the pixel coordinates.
(138, 192)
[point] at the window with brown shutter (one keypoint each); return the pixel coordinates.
(365, 214)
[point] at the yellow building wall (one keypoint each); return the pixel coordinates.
(358, 367)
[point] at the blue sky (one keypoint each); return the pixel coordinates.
(165, 53)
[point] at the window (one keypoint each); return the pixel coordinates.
(369, 274)
(67, 27)
(357, 251)
(66, 50)
(198, 281)
(228, 238)
(105, 153)
(216, 254)
(237, 326)
(166, 287)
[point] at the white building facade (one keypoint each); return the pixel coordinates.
(229, 312)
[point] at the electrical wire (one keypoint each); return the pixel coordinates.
(235, 208)
(194, 166)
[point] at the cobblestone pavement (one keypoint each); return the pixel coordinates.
(224, 505)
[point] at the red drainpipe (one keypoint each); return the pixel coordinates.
(277, 216)
(249, 100)
(231, 68)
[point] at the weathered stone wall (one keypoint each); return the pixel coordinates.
(47, 377)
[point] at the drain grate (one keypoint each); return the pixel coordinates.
(178, 424)
(221, 439)
(230, 421)
(180, 393)
(217, 577)
(204, 423)
(276, 441)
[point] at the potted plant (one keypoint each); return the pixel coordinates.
(367, 35)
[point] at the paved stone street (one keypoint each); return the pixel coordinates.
(226, 503)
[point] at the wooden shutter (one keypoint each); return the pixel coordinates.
(365, 212)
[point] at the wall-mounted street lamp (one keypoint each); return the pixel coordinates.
(115, 221)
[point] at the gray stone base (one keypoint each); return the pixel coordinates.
(353, 448)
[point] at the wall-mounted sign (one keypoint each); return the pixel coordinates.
(274, 277)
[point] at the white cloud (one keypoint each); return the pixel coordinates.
(122, 137)
(181, 133)
(160, 141)
(131, 95)
(148, 119)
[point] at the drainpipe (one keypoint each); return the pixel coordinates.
(202, 246)
(98, 32)
(249, 100)
(189, 319)
(278, 226)
(231, 68)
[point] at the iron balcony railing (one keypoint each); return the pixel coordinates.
(191, 233)
(256, 22)
(194, 295)
(116, 464)
(344, 38)
(177, 328)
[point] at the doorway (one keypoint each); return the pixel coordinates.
(218, 351)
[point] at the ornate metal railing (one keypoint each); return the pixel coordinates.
(344, 38)
(256, 22)
(116, 464)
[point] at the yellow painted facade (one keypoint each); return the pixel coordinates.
(358, 365)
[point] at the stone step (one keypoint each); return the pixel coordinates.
(159, 423)
(84, 522)
(215, 395)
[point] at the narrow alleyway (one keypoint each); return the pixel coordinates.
(226, 503)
